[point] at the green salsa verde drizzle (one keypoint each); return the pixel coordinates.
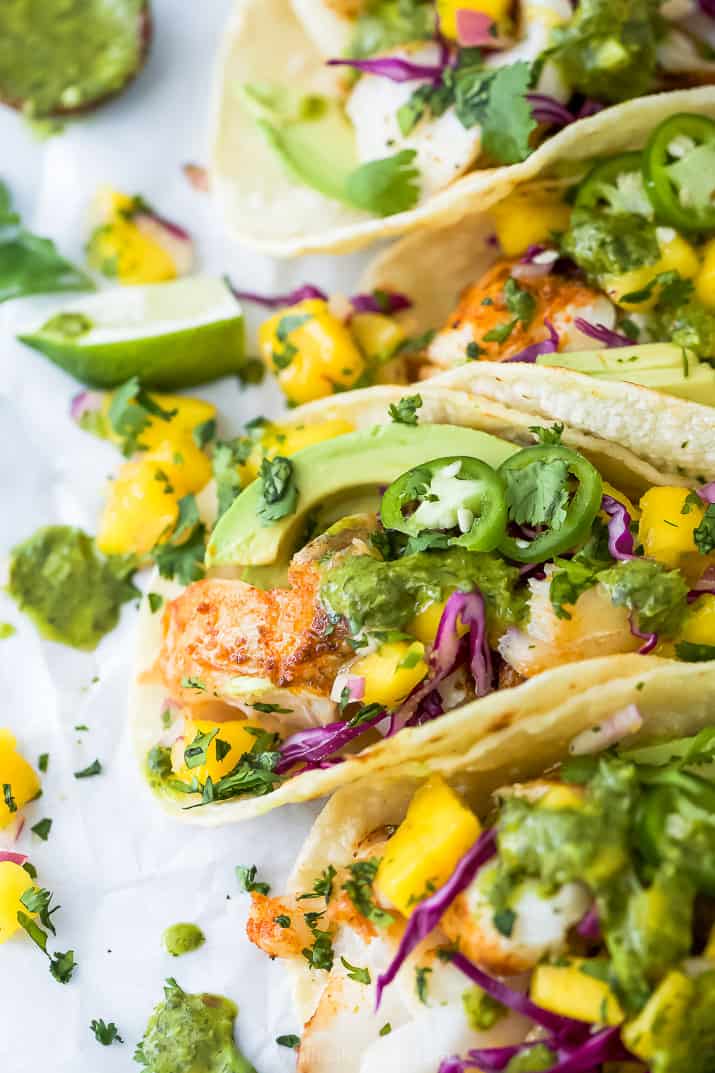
(181, 939)
(63, 55)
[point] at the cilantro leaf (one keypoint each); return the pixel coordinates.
(655, 595)
(500, 332)
(360, 976)
(42, 828)
(104, 1033)
(62, 966)
(704, 535)
(387, 186)
(404, 412)
(288, 1041)
(181, 556)
(320, 955)
(550, 437)
(323, 886)
(359, 890)
(38, 901)
(246, 876)
(43, 761)
(568, 582)
(519, 301)
(95, 768)
(279, 492)
(254, 773)
(130, 413)
(496, 100)
(270, 709)
(538, 493)
(421, 981)
(196, 754)
(155, 601)
(30, 264)
(205, 432)
(228, 456)
(8, 797)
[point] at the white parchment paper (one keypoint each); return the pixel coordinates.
(119, 869)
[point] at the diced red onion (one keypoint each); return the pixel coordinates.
(539, 265)
(317, 744)
(475, 28)
(589, 108)
(175, 230)
(394, 68)
(492, 240)
(428, 913)
(354, 683)
(277, 301)
(707, 492)
(621, 545)
(85, 402)
(547, 109)
(548, 346)
(595, 739)
(650, 639)
(15, 858)
(707, 7)
(589, 927)
(606, 336)
(198, 176)
(387, 302)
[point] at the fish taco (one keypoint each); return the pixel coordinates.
(542, 902)
(400, 575)
(411, 119)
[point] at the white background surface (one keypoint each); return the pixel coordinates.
(119, 869)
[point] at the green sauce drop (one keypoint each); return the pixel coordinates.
(182, 939)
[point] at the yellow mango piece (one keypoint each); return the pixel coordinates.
(699, 626)
(709, 951)
(676, 255)
(16, 773)
(498, 10)
(425, 623)
(311, 352)
(571, 992)
(391, 672)
(377, 335)
(664, 531)
(233, 732)
(705, 279)
(562, 796)
(664, 1013)
(287, 439)
(190, 412)
(14, 882)
(436, 832)
(143, 501)
(527, 217)
(119, 247)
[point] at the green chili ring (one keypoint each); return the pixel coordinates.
(606, 173)
(663, 190)
(580, 513)
(487, 503)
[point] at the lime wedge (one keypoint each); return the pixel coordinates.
(170, 335)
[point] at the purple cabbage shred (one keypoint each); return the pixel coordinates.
(316, 745)
(277, 301)
(621, 545)
(602, 334)
(547, 346)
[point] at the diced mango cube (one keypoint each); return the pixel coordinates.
(14, 882)
(425, 623)
(571, 991)
(377, 335)
(562, 796)
(120, 249)
(287, 439)
(676, 255)
(436, 832)
(709, 951)
(528, 217)
(705, 279)
(699, 626)
(498, 10)
(663, 1015)
(234, 732)
(190, 413)
(311, 351)
(391, 672)
(664, 530)
(16, 773)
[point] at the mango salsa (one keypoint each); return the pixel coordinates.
(16, 773)
(699, 626)
(662, 1015)
(311, 351)
(14, 882)
(287, 439)
(705, 279)
(665, 531)
(436, 832)
(133, 246)
(676, 255)
(391, 672)
(527, 218)
(571, 991)
(234, 732)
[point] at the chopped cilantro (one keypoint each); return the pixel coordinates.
(323, 886)
(704, 535)
(550, 437)
(155, 601)
(223, 748)
(496, 101)
(104, 1033)
(205, 432)
(474, 350)
(279, 492)
(193, 683)
(228, 456)
(10, 802)
(282, 920)
(131, 411)
(504, 920)
(42, 829)
(196, 754)
(481, 1009)
(651, 592)
(246, 876)
(320, 955)
(95, 768)
(43, 761)
(38, 901)
(288, 1041)
(404, 412)
(360, 976)
(421, 982)
(181, 556)
(386, 1029)
(568, 582)
(501, 332)
(270, 709)
(252, 372)
(519, 301)
(538, 494)
(359, 890)
(387, 186)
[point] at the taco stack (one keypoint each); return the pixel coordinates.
(405, 574)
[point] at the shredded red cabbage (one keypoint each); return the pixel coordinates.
(705, 585)
(584, 1057)
(380, 302)
(428, 913)
(620, 539)
(589, 108)
(589, 927)
(15, 858)
(394, 68)
(650, 639)
(174, 229)
(548, 346)
(547, 109)
(317, 744)
(707, 7)
(475, 28)
(602, 334)
(300, 294)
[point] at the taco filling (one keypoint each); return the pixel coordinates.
(426, 92)
(571, 928)
(477, 567)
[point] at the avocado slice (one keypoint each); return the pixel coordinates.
(335, 471)
(663, 367)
